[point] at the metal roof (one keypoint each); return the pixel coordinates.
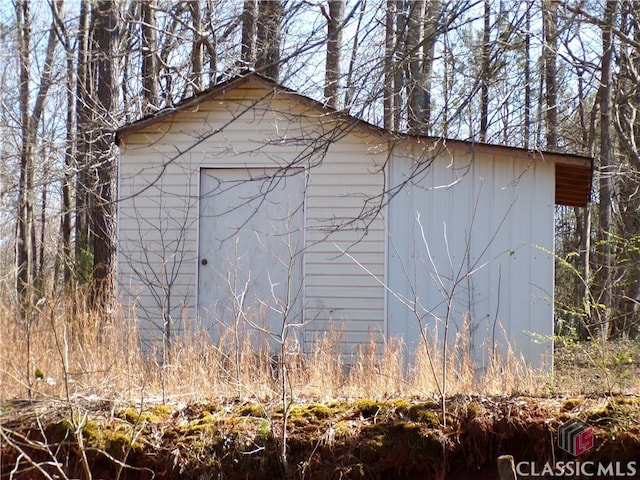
(574, 173)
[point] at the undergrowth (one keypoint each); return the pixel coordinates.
(64, 350)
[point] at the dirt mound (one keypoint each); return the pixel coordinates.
(362, 439)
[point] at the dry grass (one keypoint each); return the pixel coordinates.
(78, 353)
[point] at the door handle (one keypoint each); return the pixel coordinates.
(204, 261)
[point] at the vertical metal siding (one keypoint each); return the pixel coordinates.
(506, 237)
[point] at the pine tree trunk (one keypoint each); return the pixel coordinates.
(416, 95)
(268, 38)
(103, 212)
(85, 139)
(249, 18)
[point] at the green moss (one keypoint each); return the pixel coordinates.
(317, 411)
(198, 427)
(264, 431)
(626, 401)
(252, 410)
(63, 429)
(366, 407)
(613, 412)
(206, 423)
(337, 405)
(115, 438)
(426, 413)
(343, 428)
(473, 410)
(164, 411)
(400, 405)
(154, 415)
(570, 404)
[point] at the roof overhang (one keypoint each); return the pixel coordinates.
(573, 173)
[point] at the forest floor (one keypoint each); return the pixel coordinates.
(399, 438)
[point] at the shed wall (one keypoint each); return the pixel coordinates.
(471, 241)
(249, 127)
(476, 228)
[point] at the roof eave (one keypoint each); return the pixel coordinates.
(573, 172)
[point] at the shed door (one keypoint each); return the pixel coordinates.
(250, 253)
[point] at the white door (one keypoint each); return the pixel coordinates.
(251, 243)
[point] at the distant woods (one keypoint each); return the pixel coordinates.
(537, 74)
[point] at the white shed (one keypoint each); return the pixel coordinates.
(250, 205)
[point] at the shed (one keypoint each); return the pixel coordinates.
(254, 207)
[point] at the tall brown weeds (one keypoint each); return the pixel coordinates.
(67, 351)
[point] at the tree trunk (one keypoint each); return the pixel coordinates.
(103, 214)
(69, 155)
(268, 38)
(197, 47)
(550, 49)
(40, 277)
(84, 147)
(350, 90)
(24, 258)
(334, 49)
(423, 23)
(432, 26)
(400, 67)
(603, 276)
(65, 259)
(26, 246)
(390, 50)
(486, 65)
(150, 64)
(416, 94)
(527, 78)
(249, 19)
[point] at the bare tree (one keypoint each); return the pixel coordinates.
(66, 217)
(604, 276)
(335, 18)
(417, 102)
(150, 64)
(486, 73)
(527, 77)
(550, 16)
(105, 20)
(249, 19)
(197, 47)
(390, 100)
(84, 146)
(268, 37)
(29, 120)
